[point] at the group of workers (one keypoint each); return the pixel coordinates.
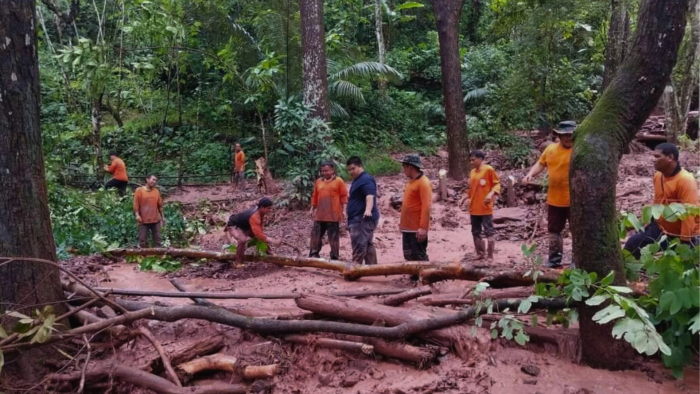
(332, 204)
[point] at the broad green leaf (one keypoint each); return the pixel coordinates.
(596, 300)
(694, 326)
(666, 301)
(494, 334)
(408, 5)
(524, 306)
(609, 278)
(657, 210)
(627, 325)
(608, 314)
(635, 222)
(521, 338)
(646, 214)
(621, 289)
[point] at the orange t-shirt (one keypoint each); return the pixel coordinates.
(482, 182)
(415, 210)
(148, 204)
(556, 158)
(680, 188)
(256, 226)
(240, 161)
(328, 199)
(118, 170)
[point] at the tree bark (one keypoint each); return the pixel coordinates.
(25, 224)
(379, 33)
(618, 38)
(447, 15)
(313, 48)
(96, 119)
(598, 146)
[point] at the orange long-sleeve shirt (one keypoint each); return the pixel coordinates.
(328, 199)
(256, 226)
(148, 204)
(239, 161)
(680, 188)
(118, 170)
(415, 210)
(482, 182)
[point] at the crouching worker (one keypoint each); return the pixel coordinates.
(246, 225)
(672, 184)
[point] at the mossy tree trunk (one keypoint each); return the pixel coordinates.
(618, 40)
(313, 47)
(598, 146)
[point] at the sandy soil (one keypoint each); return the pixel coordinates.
(309, 370)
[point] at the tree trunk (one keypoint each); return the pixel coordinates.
(598, 145)
(313, 47)
(447, 15)
(96, 119)
(618, 36)
(379, 32)
(25, 224)
(671, 111)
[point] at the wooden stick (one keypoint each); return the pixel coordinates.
(494, 294)
(224, 362)
(252, 372)
(81, 386)
(159, 348)
(420, 356)
(202, 295)
(330, 343)
(407, 296)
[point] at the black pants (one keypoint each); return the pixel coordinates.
(652, 233)
(154, 229)
(412, 249)
(117, 184)
(556, 222)
(482, 224)
(317, 233)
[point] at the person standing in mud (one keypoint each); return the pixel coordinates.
(555, 159)
(328, 202)
(116, 167)
(483, 185)
(672, 184)
(148, 209)
(239, 167)
(362, 213)
(246, 225)
(415, 210)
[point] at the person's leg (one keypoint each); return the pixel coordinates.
(112, 183)
(156, 235)
(241, 243)
(122, 187)
(407, 241)
(371, 255)
(635, 243)
(556, 221)
(143, 236)
(489, 232)
(316, 240)
(359, 248)
(479, 246)
(334, 239)
(241, 180)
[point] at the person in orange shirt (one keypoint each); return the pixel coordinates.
(148, 209)
(556, 160)
(239, 167)
(120, 180)
(672, 184)
(415, 210)
(328, 203)
(483, 185)
(243, 226)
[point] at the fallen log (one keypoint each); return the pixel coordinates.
(202, 295)
(497, 279)
(149, 381)
(408, 268)
(330, 343)
(181, 352)
(494, 294)
(224, 362)
(407, 295)
(421, 356)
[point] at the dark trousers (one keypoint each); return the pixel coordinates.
(556, 222)
(482, 226)
(117, 184)
(362, 241)
(154, 229)
(412, 249)
(652, 233)
(317, 233)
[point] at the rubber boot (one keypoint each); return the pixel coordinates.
(480, 248)
(556, 249)
(491, 246)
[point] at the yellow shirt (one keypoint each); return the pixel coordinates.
(481, 183)
(556, 158)
(415, 210)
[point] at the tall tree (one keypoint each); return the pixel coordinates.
(618, 40)
(313, 47)
(447, 15)
(25, 224)
(598, 145)
(379, 32)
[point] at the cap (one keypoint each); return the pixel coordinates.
(413, 160)
(566, 127)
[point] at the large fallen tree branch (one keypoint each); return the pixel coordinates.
(225, 296)
(496, 279)
(407, 295)
(494, 294)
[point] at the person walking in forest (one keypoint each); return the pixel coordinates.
(483, 186)
(672, 184)
(120, 180)
(415, 210)
(555, 159)
(328, 202)
(362, 213)
(239, 167)
(148, 209)
(246, 225)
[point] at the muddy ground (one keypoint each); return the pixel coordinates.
(495, 368)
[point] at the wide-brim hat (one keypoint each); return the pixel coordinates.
(413, 160)
(566, 127)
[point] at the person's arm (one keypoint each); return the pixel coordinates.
(111, 167)
(370, 190)
(343, 199)
(314, 199)
(369, 204)
(426, 198)
(495, 186)
(137, 205)
(534, 171)
(688, 194)
(160, 209)
(257, 228)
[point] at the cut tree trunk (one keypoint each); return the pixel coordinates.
(618, 40)
(447, 17)
(313, 47)
(598, 146)
(25, 223)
